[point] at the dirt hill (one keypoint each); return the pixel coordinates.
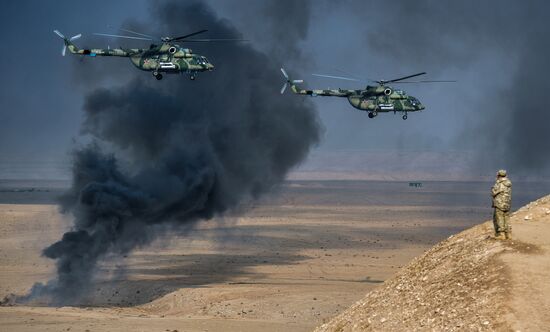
(469, 282)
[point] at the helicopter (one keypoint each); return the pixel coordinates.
(165, 57)
(372, 99)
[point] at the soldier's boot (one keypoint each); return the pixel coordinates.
(500, 236)
(508, 235)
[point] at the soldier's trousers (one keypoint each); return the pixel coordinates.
(500, 221)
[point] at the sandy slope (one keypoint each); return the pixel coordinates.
(468, 282)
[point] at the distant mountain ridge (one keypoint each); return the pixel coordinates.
(381, 165)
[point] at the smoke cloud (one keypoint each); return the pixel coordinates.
(507, 124)
(288, 24)
(173, 152)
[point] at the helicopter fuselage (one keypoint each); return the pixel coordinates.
(372, 99)
(384, 99)
(170, 58)
(164, 58)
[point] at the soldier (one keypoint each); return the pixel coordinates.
(502, 201)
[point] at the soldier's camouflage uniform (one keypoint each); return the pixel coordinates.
(502, 201)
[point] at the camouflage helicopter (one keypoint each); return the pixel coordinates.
(372, 99)
(166, 57)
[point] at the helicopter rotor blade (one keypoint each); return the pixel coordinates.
(284, 73)
(401, 78)
(215, 40)
(297, 81)
(138, 33)
(429, 81)
(347, 74)
(337, 77)
(75, 37)
(119, 36)
(64, 50)
(283, 89)
(59, 34)
(186, 36)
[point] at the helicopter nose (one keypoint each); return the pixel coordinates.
(209, 66)
(420, 107)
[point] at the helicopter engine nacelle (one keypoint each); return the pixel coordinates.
(379, 90)
(180, 54)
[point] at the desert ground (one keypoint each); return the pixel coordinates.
(289, 262)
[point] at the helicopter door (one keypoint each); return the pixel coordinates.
(166, 62)
(385, 104)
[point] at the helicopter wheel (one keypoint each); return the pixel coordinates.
(158, 76)
(371, 115)
(405, 117)
(192, 77)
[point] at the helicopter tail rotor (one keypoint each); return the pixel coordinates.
(288, 81)
(67, 42)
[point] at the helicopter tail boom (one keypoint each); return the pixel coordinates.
(68, 44)
(313, 93)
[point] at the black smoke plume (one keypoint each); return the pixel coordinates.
(174, 152)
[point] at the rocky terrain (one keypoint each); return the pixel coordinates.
(468, 282)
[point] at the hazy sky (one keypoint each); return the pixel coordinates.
(496, 50)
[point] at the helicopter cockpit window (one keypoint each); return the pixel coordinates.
(202, 60)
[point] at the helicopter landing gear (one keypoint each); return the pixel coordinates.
(372, 114)
(405, 116)
(157, 75)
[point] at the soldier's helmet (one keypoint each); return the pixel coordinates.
(501, 173)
